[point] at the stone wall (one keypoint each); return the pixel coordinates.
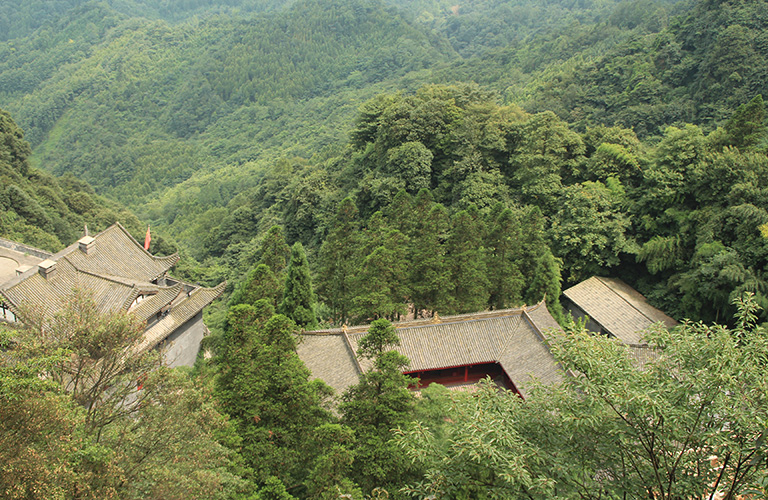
(182, 346)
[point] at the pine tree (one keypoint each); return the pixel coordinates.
(532, 247)
(275, 251)
(429, 276)
(299, 299)
(266, 390)
(260, 283)
(337, 262)
(400, 213)
(546, 284)
(381, 401)
(504, 244)
(382, 273)
(466, 263)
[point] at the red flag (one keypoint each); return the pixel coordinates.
(147, 239)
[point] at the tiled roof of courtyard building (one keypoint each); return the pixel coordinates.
(118, 254)
(119, 274)
(616, 307)
(153, 303)
(329, 357)
(513, 338)
(178, 315)
(48, 295)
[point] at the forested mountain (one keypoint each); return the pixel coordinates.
(21, 18)
(170, 100)
(41, 210)
(697, 70)
(355, 161)
(219, 121)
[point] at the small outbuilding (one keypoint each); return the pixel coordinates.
(613, 308)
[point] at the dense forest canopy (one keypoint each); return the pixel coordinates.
(230, 90)
(216, 122)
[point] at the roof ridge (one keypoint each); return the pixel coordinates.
(352, 351)
(170, 294)
(600, 279)
(158, 332)
(413, 323)
(109, 277)
(131, 297)
(174, 256)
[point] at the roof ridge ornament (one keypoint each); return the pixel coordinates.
(436, 318)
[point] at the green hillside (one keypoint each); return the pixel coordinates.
(50, 212)
(698, 69)
(150, 104)
(215, 122)
(342, 162)
(147, 103)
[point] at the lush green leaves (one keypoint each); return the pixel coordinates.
(299, 298)
(76, 426)
(687, 423)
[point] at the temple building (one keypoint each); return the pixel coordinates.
(121, 275)
(457, 351)
(613, 308)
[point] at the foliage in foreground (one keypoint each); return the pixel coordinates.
(74, 425)
(689, 423)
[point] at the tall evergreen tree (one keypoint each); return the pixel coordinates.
(533, 247)
(380, 402)
(422, 204)
(235, 360)
(466, 263)
(504, 249)
(545, 283)
(266, 390)
(400, 213)
(382, 275)
(337, 261)
(275, 251)
(429, 275)
(299, 299)
(259, 283)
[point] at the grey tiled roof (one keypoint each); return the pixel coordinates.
(47, 296)
(619, 309)
(117, 253)
(179, 314)
(510, 338)
(149, 306)
(115, 271)
(329, 358)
